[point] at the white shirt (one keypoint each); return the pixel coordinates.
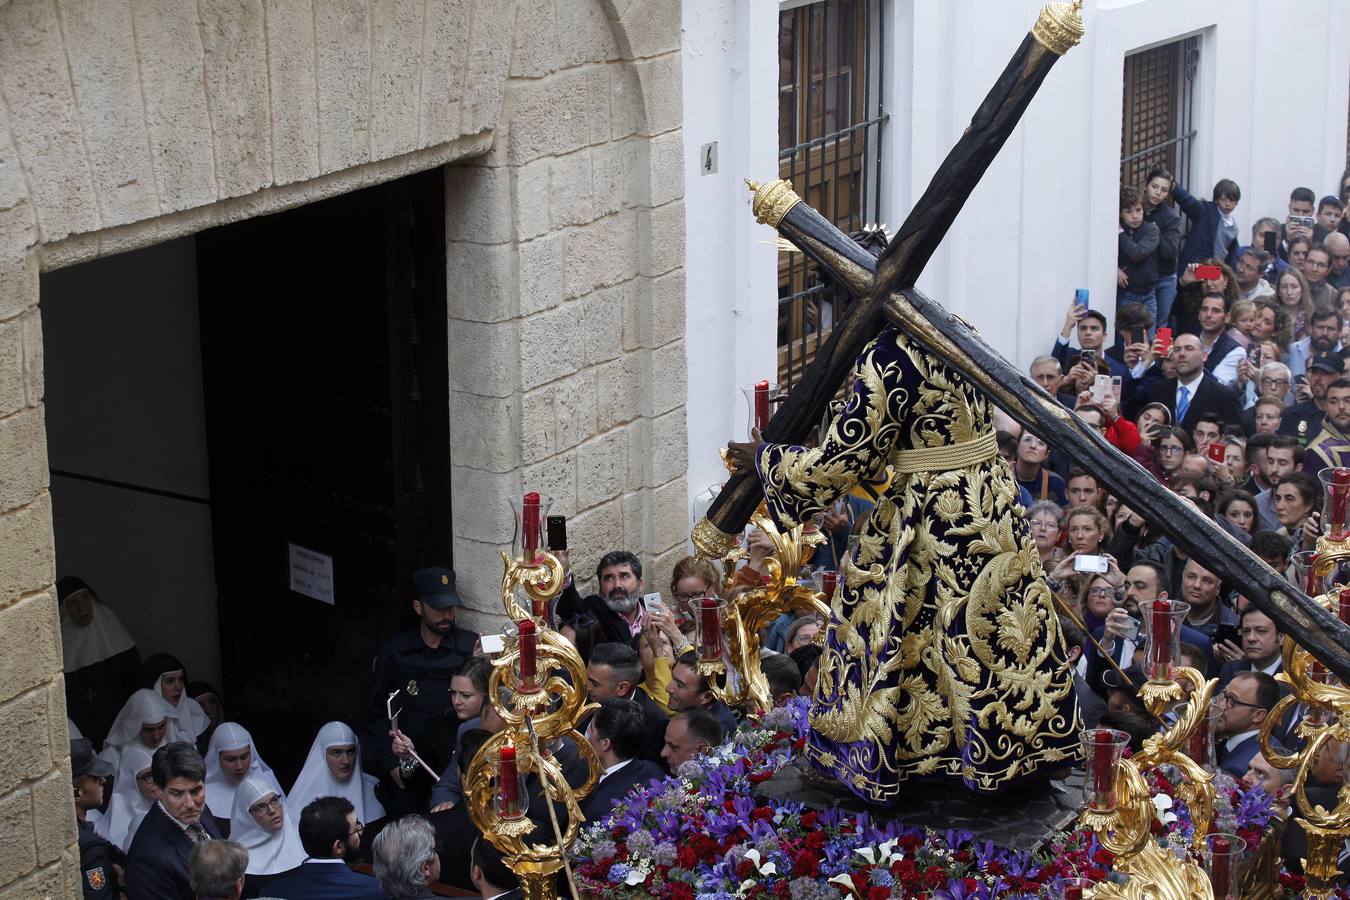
(1236, 739)
(614, 768)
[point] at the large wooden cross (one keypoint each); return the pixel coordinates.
(884, 292)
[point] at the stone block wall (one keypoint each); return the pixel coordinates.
(565, 271)
(124, 123)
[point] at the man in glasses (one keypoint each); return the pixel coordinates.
(331, 835)
(1244, 705)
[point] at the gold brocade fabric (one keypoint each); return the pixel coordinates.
(943, 658)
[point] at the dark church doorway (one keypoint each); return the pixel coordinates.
(266, 517)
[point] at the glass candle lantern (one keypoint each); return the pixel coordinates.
(1102, 750)
(761, 400)
(1162, 636)
(531, 514)
(1223, 852)
(1335, 521)
(708, 622)
(1067, 888)
(512, 798)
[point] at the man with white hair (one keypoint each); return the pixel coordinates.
(405, 859)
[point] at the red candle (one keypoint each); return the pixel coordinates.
(1340, 492)
(1219, 866)
(1310, 581)
(528, 651)
(712, 629)
(829, 580)
(530, 524)
(1344, 605)
(1199, 745)
(762, 405)
(508, 780)
(1160, 651)
(1103, 767)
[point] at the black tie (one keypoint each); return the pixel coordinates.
(197, 834)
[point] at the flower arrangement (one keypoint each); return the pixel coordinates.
(702, 835)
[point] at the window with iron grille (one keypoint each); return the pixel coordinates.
(1158, 126)
(829, 146)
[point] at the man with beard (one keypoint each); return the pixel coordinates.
(1331, 447)
(1303, 420)
(618, 605)
(1324, 336)
(331, 835)
(418, 663)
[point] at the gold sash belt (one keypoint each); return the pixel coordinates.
(945, 458)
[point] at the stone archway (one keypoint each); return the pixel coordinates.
(124, 124)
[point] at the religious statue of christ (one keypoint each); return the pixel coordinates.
(943, 656)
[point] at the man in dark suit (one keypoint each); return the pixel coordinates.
(331, 836)
(491, 878)
(157, 867)
(1193, 392)
(616, 733)
(1245, 703)
(614, 671)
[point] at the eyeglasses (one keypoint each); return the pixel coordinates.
(265, 805)
(1228, 699)
(1043, 526)
(357, 830)
(689, 596)
(1102, 592)
(1171, 451)
(1267, 380)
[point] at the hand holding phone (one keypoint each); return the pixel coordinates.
(1208, 273)
(557, 532)
(1080, 299)
(492, 644)
(1088, 358)
(652, 602)
(1095, 565)
(1164, 341)
(1216, 451)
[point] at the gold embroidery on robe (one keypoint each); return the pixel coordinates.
(943, 657)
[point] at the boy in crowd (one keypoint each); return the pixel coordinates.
(1136, 254)
(1214, 231)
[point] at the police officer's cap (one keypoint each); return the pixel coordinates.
(84, 762)
(1327, 361)
(435, 586)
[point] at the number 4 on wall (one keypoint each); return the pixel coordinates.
(707, 156)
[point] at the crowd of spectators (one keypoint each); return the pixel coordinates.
(1224, 377)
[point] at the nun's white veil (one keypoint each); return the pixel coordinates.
(190, 719)
(219, 788)
(316, 779)
(143, 707)
(127, 807)
(269, 853)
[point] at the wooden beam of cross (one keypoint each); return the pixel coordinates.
(1058, 28)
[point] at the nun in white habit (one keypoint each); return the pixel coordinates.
(134, 792)
(259, 820)
(99, 658)
(146, 720)
(333, 769)
(165, 674)
(230, 759)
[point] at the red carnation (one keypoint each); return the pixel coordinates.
(806, 865)
(878, 893)
(934, 877)
(808, 819)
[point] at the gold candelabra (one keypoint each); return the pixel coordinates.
(751, 611)
(1126, 830)
(1328, 705)
(543, 707)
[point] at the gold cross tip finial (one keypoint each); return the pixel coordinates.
(772, 201)
(1059, 27)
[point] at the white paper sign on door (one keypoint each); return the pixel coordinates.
(311, 574)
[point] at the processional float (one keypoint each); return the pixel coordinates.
(883, 293)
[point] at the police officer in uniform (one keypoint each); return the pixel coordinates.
(418, 664)
(101, 862)
(1303, 420)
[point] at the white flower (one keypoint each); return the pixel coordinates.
(635, 877)
(843, 881)
(1162, 806)
(767, 868)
